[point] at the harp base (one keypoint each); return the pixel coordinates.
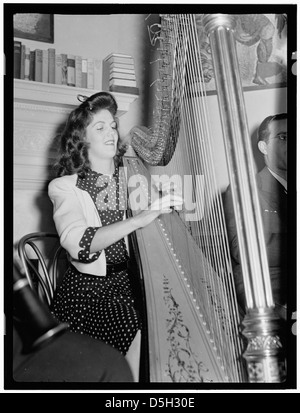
(264, 354)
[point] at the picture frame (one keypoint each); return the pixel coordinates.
(261, 45)
(34, 26)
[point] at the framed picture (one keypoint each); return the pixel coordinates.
(261, 44)
(34, 26)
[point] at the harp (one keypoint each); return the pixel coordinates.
(193, 319)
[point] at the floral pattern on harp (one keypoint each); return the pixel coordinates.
(183, 363)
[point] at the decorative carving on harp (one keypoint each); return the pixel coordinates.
(194, 325)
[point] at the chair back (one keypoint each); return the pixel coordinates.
(44, 260)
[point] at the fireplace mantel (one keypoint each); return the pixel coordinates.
(60, 96)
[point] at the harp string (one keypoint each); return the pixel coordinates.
(182, 122)
(199, 149)
(223, 255)
(192, 123)
(227, 294)
(196, 133)
(216, 254)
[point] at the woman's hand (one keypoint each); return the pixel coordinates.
(162, 205)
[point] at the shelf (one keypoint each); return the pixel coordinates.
(48, 94)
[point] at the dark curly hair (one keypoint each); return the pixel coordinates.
(73, 156)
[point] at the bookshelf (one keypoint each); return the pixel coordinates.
(48, 94)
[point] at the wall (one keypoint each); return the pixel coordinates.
(97, 36)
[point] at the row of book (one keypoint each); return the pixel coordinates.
(58, 68)
(118, 74)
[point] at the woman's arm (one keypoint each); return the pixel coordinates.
(70, 220)
(108, 235)
(71, 223)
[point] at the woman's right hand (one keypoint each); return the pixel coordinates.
(162, 205)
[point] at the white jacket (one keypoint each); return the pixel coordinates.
(73, 212)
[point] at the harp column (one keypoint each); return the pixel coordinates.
(264, 353)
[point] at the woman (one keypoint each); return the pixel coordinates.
(95, 296)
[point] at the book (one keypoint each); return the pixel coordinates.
(51, 65)
(38, 65)
(84, 73)
(58, 69)
(120, 66)
(90, 73)
(120, 75)
(122, 82)
(64, 68)
(98, 74)
(22, 68)
(119, 58)
(123, 55)
(105, 75)
(17, 59)
(27, 64)
(118, 69)
(78, 71)
(45, 66)
(124, 89)
(32, 65)
(121, 71)
(70, 70)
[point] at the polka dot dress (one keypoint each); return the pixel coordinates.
(102, 307)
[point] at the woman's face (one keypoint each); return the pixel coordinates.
(102, 136)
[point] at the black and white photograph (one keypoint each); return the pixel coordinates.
(152, 244)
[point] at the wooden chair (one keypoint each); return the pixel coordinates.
(43, 259)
